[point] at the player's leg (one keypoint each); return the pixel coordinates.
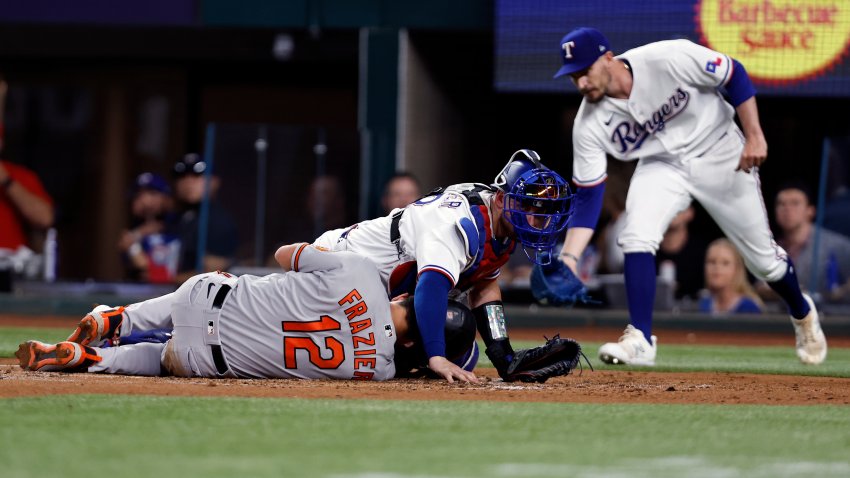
(735, 202)
(106, 324)
(64, 356)
(190, 352)
(656, 194)
(138, 359)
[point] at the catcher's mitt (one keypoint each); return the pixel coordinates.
(555, 284)
(556, 357)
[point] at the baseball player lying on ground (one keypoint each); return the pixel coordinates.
(327, 318)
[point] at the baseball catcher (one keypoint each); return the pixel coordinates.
(454, 241)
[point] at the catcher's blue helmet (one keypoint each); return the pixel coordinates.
(537, 203)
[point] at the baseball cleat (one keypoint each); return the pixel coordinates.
(631, 349)
(811, 342)
(35, 355)
(101, 324)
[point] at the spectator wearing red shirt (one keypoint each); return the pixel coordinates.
(23, 204)
(23, 201)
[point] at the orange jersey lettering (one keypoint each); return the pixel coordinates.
(360, 325)
(360, 362)
(363, 340)
(359, 308)
(351, 297)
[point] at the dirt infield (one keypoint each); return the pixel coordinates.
(587, 387)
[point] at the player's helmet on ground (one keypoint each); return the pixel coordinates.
(460, 341)
(537, 203)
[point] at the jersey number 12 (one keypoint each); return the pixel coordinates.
(293, 344)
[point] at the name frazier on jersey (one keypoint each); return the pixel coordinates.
(630, 136)
(364, 357)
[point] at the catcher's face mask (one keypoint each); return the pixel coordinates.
(538, 206)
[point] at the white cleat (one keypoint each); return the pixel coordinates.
(631, 349)
(811, 342)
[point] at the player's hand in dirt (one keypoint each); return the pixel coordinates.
(444, 368)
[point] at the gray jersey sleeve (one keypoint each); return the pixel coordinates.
(309, 258)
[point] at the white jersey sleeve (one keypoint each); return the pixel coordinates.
(434, 233)
(590, 164)
(699, 66)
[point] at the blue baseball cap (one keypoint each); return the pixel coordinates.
(580, 48)
(152, 182)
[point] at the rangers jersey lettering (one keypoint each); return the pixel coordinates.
(671, 114)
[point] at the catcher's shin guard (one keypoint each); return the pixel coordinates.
(100, 325)
(490, 321)
(64, 356)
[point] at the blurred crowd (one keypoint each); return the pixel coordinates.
(176, 226)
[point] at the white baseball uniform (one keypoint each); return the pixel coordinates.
(446, 232)
(683, 132)
(328, 318)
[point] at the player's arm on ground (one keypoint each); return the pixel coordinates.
(431, 302)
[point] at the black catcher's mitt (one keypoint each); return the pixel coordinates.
(556, 357)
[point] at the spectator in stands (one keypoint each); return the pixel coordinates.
(327, 205)
(684, 253)
(25, 206)
(221, 235)
(150, 247)
(401, 189)
(729, 291)
(795, 214)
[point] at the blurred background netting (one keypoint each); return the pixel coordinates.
(284, 183)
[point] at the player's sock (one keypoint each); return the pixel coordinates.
(788, 287)
(639, 269)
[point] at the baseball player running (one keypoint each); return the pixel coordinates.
(330, 318)
(457, 238)
(660, 103)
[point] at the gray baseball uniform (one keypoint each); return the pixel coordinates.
(328, 318)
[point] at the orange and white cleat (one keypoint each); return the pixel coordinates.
(100, 325)
(35, 355)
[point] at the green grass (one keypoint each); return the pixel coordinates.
(727, 358)
(671, 358)
(11, 337)
(130, 436)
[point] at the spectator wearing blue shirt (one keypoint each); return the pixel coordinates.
(729, 291)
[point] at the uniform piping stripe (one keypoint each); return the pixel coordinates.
(439, 269)
(298, 256)
(766, 223)
(729, 71)
(592, 182)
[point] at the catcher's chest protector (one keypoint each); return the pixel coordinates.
(492, 254)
